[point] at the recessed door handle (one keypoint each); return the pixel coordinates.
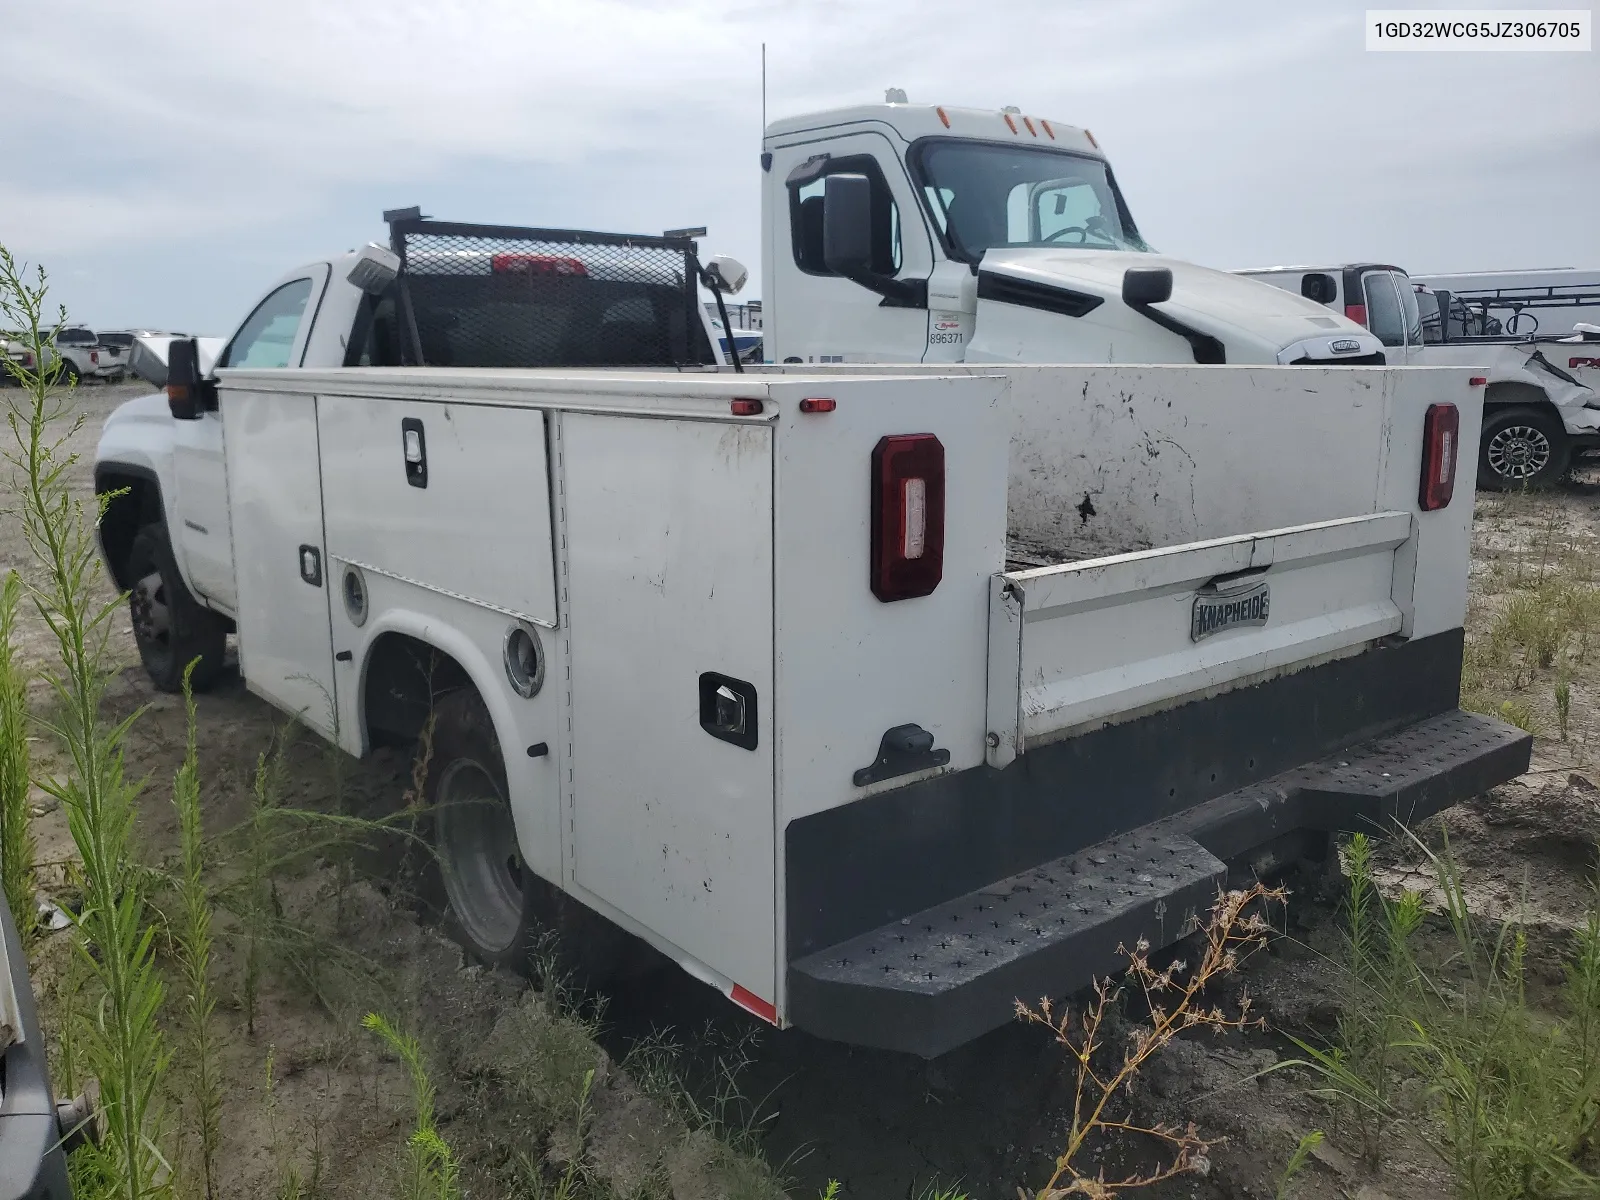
(311, 565)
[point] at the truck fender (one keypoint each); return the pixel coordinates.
(468, 663)
(135, 500)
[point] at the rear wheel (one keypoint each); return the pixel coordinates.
(170, 626)
(492, 903)
(1522, 448)
(70, 375)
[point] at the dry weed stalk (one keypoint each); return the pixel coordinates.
(1236, 928)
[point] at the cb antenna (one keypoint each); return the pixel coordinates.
(763, 89)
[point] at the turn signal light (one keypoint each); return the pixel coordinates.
(1441, 437)
(907, 516)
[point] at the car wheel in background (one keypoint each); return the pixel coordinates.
(1522, 448)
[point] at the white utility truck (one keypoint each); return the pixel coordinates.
(874, 697)
(1539, 412)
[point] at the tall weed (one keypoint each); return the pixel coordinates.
(16, 829)
(125, 1048)
(193, 944)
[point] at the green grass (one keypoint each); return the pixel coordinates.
(1505, 1091)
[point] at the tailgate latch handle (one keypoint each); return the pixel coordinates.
(904, 749)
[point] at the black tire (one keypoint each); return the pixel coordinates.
(69, 374)
(491, 903)
(169, 624)
(1521, 448)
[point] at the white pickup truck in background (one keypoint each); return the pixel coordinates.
(1540, 413)
(874, 697)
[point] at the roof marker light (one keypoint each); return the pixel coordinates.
(1092, 142)
(1047, 128)
(1010, 124)
(943, 117)
(1028, 121)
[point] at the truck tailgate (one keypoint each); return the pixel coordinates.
(1073, 645)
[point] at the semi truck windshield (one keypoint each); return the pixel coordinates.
(981, 195)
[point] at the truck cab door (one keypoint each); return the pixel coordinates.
(1387, 315)
(815, 315)
(273, 335)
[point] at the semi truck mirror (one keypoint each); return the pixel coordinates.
(1146, 285)
(847, 225)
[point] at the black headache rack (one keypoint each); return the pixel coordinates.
(918, 917)
(473, 295)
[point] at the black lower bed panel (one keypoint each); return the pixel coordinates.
(1349, 744)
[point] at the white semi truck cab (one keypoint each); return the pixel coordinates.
(923, 233)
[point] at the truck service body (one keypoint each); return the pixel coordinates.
(875, 696)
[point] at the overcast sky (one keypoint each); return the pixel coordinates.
(166, 160)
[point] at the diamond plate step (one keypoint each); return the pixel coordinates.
(942, 972)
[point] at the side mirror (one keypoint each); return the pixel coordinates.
(1146, 285)
(727, 275)
(375, 269)
(1319, 286)
(847, 225)
(1444, 298)
(187, 391)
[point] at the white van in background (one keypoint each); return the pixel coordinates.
(1539, 414)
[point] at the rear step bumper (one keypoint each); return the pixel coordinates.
(929, 982)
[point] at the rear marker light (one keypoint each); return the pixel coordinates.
(1356, 313)
(907, 516)
(536, 264)
(1478, 381)
(818, 404)
(745, 408)
(752, 1003)
(1441, 431)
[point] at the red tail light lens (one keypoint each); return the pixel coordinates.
(94, 357)
(1356, 312)
(1441, 436)
(907, 516)
(536, 264)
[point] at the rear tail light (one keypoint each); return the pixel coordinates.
(907, 516)
(94, 357)
(1356, 312)
(1441, 435)
(536, 264)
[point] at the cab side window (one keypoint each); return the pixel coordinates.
(805, 217)
(266, 339)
